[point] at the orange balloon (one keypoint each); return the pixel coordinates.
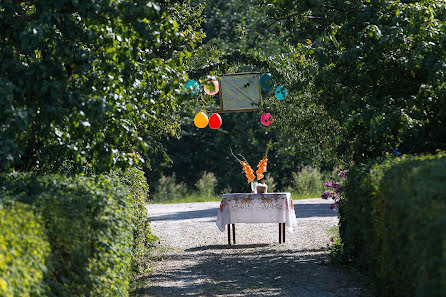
(201, 120)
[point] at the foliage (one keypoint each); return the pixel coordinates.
(23, 251)
(269, 181)
(307, 181)
(375, 67)
(206, 184)
(392, 221)
(169, 189)
(143, 240)
(93, 82)
(89, 223)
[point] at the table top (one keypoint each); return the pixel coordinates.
(256, 208)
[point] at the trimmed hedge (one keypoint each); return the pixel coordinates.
(94, 226)
(23, 251)
(393, 224)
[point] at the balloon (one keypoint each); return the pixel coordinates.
(212, 91)
(192, 86)
(266, 81)
(201, 120)
(281, 93)
(215, 121)
(266, 119)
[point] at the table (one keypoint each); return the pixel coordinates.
(256, 208)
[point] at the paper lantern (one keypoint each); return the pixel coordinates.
(266, 81)
(192, 86)
(215, 121)
(201, 120)
(266, 119)
(281, 93)
(213, 90)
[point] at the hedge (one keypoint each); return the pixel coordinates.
(393, 222)
(23, 251)
(94, 226)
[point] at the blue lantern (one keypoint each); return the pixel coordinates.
(281, 93)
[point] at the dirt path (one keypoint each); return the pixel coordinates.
(196, 260)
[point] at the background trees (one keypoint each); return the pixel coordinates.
(95, 83)
(379, 70)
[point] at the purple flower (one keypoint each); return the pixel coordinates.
(331, 239)
(332, 206)
(327, 194)
(328, 184)
(336, 185)
(339, 189)
(342, 174)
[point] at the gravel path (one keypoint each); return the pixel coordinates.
(196, 260)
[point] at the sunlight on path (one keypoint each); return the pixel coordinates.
(198, 262)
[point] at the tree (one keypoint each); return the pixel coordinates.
(379, 70)
(94, 82)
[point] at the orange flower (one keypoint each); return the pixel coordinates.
(248, 171)
(261, 168)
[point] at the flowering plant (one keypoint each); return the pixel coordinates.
(249, 172)
(337, 190)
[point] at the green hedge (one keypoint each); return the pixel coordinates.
(94, 226)
(23, 251)
(393, 224)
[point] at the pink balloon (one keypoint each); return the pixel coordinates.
(215, 91)
(266, 119)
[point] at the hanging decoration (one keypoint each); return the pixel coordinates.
(240, 92)
(281, 93)
(192, 86)
(201, 120)
(266, 119)
(212, 88)
(237, 92)
(215, 121)
(266, 81)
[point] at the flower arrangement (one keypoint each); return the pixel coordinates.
(249, 172)
(337, 190)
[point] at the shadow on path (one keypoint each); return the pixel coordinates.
(250, 270)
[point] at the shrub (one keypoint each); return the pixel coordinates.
(308, 181)
(89, 223)
(143, 240)
(23, 251)
(206, 184)
(269, 181)
(393, 223)
(168, 189)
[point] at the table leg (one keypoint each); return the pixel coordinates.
(229, 234)
(283, 232)
(280, 233)
(233, 233)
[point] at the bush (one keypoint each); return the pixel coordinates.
(89, 223)
(168, 189)
(308, 181)
(269, 181)
(143, 240)
(206, 184)
(393, 223)
(23, 251)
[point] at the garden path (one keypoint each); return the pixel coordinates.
(196, 260)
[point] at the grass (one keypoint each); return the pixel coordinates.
(189, 198)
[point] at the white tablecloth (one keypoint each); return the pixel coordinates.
(256, 208)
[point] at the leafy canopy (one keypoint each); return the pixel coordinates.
(97, 82)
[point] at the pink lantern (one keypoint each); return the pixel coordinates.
(215, 89)
(266, 119)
